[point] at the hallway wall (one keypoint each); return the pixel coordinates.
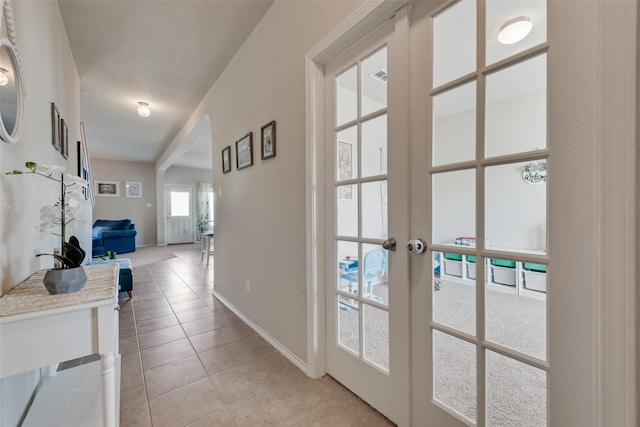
(260, 211)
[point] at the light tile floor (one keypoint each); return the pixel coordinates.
(187, 360)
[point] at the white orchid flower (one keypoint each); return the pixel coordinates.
(50, 169)
(76, 180)
(74, 199)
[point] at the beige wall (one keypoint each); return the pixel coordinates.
(260, 211)
(50, 75)
(187, 176)
(142, 215)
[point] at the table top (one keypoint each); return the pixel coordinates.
(32, 296)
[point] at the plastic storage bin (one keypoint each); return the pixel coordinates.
(503, 272)
(535, 277)
(453, 264)
(471, 267)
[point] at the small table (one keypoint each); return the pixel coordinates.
(38, 329)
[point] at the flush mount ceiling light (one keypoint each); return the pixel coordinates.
(3, 76)
(143, 109)
(515, 30)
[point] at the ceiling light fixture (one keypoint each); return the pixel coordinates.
(4, 79)
(143, 109)
(515, 30)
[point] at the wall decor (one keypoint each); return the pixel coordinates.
(108, 188)
(268, 139)
(87, 165)
(82, 169)
(55, 127)
(535, 173)
(244, 151)
(133, 189)
(64, 139)
(226, 159)
(345, 169)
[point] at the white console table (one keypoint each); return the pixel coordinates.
(38, 329)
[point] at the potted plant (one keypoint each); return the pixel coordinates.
(69, 275)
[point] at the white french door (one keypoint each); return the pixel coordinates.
(487, 207)
(508, 318)
(367, 296)
(180, 213)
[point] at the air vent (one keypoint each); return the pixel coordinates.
(380, 75)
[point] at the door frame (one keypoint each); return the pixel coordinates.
(615, 182)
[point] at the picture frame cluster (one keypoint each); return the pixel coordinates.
(244, 148)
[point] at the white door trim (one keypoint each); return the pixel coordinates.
(366, 18)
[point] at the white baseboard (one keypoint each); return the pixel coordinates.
(301, 364)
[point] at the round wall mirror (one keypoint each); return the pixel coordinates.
(11, 100)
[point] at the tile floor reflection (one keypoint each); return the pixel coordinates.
(187, 360)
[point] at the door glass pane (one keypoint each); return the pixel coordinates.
(375, 214)
(348, 282)
(348, 324)
(454, 374)
(374, 82)
(347, 96)
(454, 201)
(376, 336)
(515, 306)
(454, 125)
(516, 108)
(375, 273)
(374, 147)
(500, 13)
(516, 206)
(180, 203)
(347, 154)
(454, 42)
(516, 393)
(454, 291)
(347, 210)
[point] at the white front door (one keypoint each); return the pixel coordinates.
(180, 215)
(367, 297)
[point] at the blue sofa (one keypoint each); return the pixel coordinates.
(118, 236)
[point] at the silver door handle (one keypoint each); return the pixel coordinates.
(390, 244)
(416, 246)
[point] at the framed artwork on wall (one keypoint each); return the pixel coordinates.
(133, 189)
(108, 188)
(64, 136)
(268, 140)
(226, 159)
(244, 152)
(55, 126)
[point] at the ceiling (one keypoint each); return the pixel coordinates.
(164, 52)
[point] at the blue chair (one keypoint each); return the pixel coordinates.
(375, 268)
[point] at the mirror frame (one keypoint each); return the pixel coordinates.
(13, 137)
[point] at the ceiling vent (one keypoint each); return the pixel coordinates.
(380, 75)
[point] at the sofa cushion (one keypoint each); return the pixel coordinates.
(118, 224)
(96, 231)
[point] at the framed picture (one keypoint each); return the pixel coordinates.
(268, 133)
(244, 152)
(226, 159)
(108, 188)
(82, 168)
(64, 135)
(87, 166)
(55, 126)
(133, 189)
(345, 169)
